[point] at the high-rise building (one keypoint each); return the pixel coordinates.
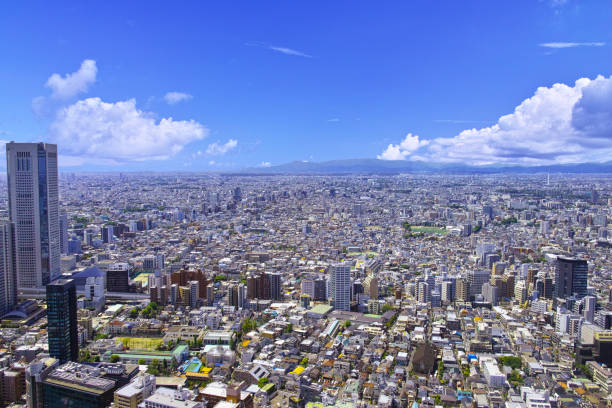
(194, 293)
(62, 320)
(63, 226)
(33, 208)
(118, 279)
(476, 278)
(423, 294)
(520, 291)
(275, 285)
(8, 276)
(570, 277)
(107, 234)
(447, 294)
(320, 289)
(35, 373)
(308, 288)
(463, 290)
(340, 284)
(232, 295)
(242, 295)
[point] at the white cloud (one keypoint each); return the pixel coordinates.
(289, 51)
(572, 44)
(410, 144)
(333, 120)
(175, 97)
(91, 130)
(282, 50)
(216, 149)
(211, 163)
(75, 83)
(265, 164)
(559, 124)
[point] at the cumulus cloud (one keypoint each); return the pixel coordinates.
(410, 144)
(91, 130)
(558, 124)
(216, 149)
(73, 84)
(175, 97)
(265, 164)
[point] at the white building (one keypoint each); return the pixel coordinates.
(169, 398)
(340, 285)
(33, 208)
(535, 398)
(490, 370)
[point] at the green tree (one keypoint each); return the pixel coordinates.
(115, 358)
(386, 308)
(141, 361)
(440, 369)
(347, 323)
(511, 361)
(262, 381)
(134, 313)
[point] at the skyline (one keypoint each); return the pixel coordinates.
(225, 90)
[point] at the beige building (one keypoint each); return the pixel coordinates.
(135, 392)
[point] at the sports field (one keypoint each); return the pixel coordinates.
(427, 230)
(143, 278)
(141, 343)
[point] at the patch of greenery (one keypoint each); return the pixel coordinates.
(511, 361)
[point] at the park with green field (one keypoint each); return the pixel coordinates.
(141, 343)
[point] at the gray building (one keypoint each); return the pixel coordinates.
(33, 208)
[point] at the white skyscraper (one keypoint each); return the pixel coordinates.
(33, 207)
(340, 286)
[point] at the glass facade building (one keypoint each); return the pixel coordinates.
(62, 320)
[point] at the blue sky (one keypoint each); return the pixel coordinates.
(257, 83)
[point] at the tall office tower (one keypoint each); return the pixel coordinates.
(210, 294)
(62, 320)
(490, 293)
(275, 285)
(588, 312)
(194, 293)
(8, 276)
(107, 234)
(463, 290)
(63, 226)
(570, 277)
(308, 288)
(237, 194)
(423, 292)
(320, 289)
(33, 207)
(242, 295)
(447, 294)
(340, 284)
(232, 295)
(520, 291)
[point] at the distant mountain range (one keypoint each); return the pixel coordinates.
(375, 166)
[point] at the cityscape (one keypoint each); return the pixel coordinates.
(319, 242)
